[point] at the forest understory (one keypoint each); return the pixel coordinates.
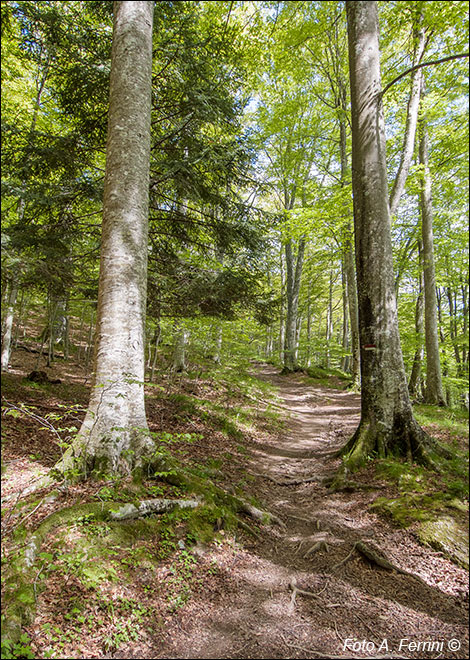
(335, 574)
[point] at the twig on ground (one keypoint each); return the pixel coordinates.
(320, 545)
(343, 561)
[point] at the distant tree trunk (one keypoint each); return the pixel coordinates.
(434, 390)
(329, 322)
(345, 333)
(269, 342)
(387, 425)
(282, 328)
(293, 275)
(309, 329)
(179, 353)
(218, 343)
(348, 258)
(414, 382)
(155, 342)
(465, 351)
(89, 342)
(8, 325)
(298, 330)
(451, 299)
(19, 319)
(411, 122)
(114, 434)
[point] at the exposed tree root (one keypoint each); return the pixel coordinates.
(374, 555)
(288, 482)
(295, 590)
(318, 546)
(168, 470)
(19, 595)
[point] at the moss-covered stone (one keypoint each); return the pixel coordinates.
(448, 536)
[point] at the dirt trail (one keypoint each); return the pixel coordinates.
(250, 611)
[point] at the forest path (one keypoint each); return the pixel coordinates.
(249, 609)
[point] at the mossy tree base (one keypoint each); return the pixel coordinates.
(404, 438)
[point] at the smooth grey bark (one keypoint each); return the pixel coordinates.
(434, 390)
(293, 276)
(387, 424)
(411, 123)
(465, 352)
(8, 325)
(282, 326)
(414, 381)
(345, 361)
(114, 434)
(309, 328)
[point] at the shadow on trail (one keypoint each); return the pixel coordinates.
(249, 612)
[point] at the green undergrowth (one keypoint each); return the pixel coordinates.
(333, 378)
(85, 561)
(235, 410)
(93, 577)
(435, 501)
(451, 421)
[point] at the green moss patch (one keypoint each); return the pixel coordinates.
(447, 535)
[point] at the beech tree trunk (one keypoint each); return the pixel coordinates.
(8, 325)
(434, 390)
(114, 434)
(413, 384)
(293, 275)
(387, 424)
(179, 353)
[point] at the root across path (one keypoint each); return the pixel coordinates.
(336, 581)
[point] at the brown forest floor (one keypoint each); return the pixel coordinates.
(246, 608)
(254, 616)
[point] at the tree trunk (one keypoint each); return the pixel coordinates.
(8, 326)
(293, 275)
(349, 267)
(413, 384)
(179, 355)
(309, 329)
(218, 343)
(434, 391)
(465, 352)
(329, 322)
(345, 332)
(114, 434)
(387, 425)
(411, 123)
(452, 300)
(282, 327)
(155, 342)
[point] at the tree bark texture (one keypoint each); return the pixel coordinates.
(8, 325)
(179, 354)
(116, 420)
(387, 424)
(293, 276)
(434, 390)
(413, 383)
